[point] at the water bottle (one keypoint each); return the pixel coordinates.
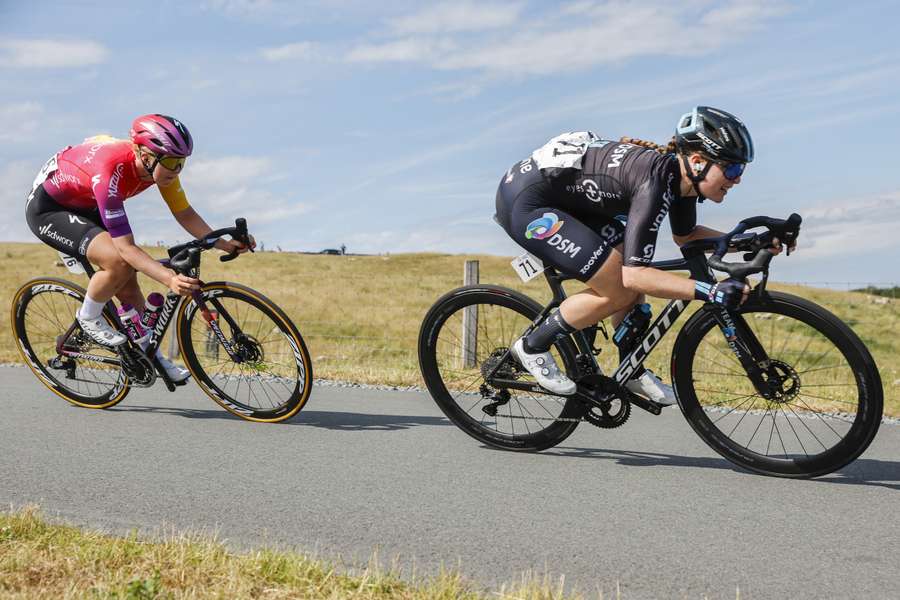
(151, 312)
(132, 323)
(633, 325)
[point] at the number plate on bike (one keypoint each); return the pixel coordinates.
(527, 266)
(72, 263)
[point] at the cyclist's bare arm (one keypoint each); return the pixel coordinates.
(146, 264)
(194, 224)
(656, 283)
(698, 233)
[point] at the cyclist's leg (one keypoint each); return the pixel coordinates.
(115, 272)
(63, 229)
(75, 233)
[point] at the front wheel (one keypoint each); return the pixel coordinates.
(272, 377)
(824, 395)
(466, 337)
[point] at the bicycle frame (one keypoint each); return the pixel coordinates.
(740, 338)
(170, 307)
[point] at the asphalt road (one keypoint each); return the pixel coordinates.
(647, 506)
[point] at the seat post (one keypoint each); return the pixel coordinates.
(555, 279)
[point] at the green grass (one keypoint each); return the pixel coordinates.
(360, 315)
(39, 559)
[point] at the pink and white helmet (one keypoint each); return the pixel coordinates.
(162, 135)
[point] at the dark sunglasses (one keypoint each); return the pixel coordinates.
(732, 170)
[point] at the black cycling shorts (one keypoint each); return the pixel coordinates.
(577, 247)
(69, 231)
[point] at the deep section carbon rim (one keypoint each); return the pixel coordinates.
(274, 379)
(43, 311)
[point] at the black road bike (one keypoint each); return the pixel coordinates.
(779, 386)
(240, 347)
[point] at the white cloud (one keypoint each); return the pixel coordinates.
(405, 50)
(51, 53)
(600, 33)
(458, 16)
(239, 186)
(15, 183)
(19, 121)
(294, 51)
(850, 227)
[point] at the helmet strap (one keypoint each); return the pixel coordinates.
(695, 177)
(152, 166)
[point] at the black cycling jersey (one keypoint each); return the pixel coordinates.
(587, 183)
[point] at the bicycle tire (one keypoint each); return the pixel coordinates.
(57, 300)
(805, 325)
(270, 375)
(434, 323)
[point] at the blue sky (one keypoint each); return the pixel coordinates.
(386, 127)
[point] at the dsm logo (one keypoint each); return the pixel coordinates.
(547, 228)
(544, 227)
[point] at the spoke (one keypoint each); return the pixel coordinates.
(720, 374)
(728, 356)
(829, 399)
(758, 425)
(819, 415)
(746, 412)
(799, 441)
(731, 411)
(823, 368)
(803, 422)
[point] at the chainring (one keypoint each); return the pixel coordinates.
(137, 366)
(610, 414)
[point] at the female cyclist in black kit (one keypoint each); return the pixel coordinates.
(592, 208)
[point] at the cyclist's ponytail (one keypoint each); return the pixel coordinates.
(667, 149)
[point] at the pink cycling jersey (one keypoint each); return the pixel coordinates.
(99, 173)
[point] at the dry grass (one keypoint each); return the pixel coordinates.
(43, 560)
(360, 315)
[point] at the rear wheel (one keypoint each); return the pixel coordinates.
(825, 403)
(464, 338)
(43, 312)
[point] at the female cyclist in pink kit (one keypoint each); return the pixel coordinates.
(77, 205)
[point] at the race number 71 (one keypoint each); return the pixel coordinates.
(527, 266)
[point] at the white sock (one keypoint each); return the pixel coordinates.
(90, 309)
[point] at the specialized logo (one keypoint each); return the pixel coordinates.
(94, 181)
(47, 231)
(544, 227)
(74, 219)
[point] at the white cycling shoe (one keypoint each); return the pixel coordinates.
(101, 331)
(544, 369)
(176, 374)
(649, 386)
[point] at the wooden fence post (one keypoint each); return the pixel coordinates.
(470, 320)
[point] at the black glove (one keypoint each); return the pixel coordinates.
(728, 292)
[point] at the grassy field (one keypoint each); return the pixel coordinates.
(43, 560)
(360, 315)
